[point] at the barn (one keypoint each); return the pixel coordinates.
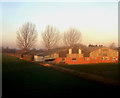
(79, 55)
(104, 55)
(76, 55)
(48, 55)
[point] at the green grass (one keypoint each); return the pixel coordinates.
(107, 70)
(27, 78)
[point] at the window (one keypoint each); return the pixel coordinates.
(84, 58)
(63, 59)
(106, 58)
(113, 58)
(102, 58)
(74, 59)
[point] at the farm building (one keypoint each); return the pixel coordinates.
(104, 55)
(46, 56)
(29, 55)
(80, 55)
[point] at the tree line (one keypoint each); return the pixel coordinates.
(27, 37)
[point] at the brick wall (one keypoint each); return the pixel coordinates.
(86, 60)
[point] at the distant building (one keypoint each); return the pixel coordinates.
(80, 55)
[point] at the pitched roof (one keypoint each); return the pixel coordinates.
(86, 51)
(57, 50)
(65, 50)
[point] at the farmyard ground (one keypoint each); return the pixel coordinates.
(21, 78)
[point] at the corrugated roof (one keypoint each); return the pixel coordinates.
(65, 50)
(58, 50)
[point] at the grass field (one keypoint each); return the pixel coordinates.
(24, 78)
(107, 70)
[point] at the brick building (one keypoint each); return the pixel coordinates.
(80, 55)
(77, 55)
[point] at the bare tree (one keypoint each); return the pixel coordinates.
(112, 45)
(50, 37)
(71, 37)
(26, 36)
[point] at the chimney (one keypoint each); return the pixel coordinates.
(70, 51)
(79, 51)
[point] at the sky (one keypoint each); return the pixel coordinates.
(97, 21)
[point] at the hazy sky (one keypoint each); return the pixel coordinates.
(98, 22)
